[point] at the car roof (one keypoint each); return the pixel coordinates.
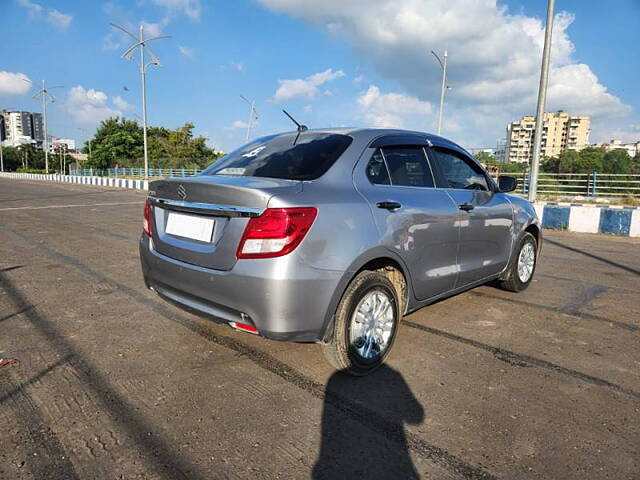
(363, 134)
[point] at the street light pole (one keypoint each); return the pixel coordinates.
(542, 94)
(46, 97)
(144, 105)
(443, 87)
(45, 141)
(128, 54)
(253, 115)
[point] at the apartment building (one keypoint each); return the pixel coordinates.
(22, 127)
(560, 132)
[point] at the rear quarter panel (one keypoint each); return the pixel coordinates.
(343, 230)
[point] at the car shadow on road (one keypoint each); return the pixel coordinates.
(367, 448)
(626, 268)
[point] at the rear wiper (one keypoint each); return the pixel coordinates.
(300, 128)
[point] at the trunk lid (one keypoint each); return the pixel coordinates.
(226, 201)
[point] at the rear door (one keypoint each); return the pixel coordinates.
(414, 219)
(485, 216)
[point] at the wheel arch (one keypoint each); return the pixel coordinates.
(536, 231)
(379, 259)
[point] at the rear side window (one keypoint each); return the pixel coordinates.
(402, 166)
(458, 172)
(377, 170)
(277, 157)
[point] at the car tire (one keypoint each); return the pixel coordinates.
(365, 326)
(522, 265)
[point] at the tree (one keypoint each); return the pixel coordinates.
(25, 156)
(179, 148)
(572, 161)
(617, 161)
(12, 158)
(485, 158)
(511, 167)
(117, 142)
(120, 142)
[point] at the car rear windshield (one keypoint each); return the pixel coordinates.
(277, 157)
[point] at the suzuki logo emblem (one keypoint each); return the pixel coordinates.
(182, 192)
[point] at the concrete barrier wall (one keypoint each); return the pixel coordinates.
(559, 216)
(82, 180)
(616, 220)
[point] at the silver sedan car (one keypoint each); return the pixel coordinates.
(334, 235)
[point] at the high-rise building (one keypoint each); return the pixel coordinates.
(22, 127)
(37, 128)
(560, 132)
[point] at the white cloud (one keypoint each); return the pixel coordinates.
(121, 103)
(307, 108)
(232, 64)
(58, 19)
(239, 66)
(186, 52)
(14, 83)
(240, 124)
(191, 8)
(89, 106)
(55, 17)
(494, 57)
(112, 41)
(34, 9)
(153, 29)
(389, 110)
(305, 87)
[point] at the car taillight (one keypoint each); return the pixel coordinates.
(147, 218)
(276, 232)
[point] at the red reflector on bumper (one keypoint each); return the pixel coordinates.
(244, 327)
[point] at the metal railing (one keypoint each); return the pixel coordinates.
(592, 184)
(122, 172)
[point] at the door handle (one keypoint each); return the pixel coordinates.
(467, 207)
(389, 205)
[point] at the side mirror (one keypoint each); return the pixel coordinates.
(507, 184)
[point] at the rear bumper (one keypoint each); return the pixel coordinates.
(284, 298)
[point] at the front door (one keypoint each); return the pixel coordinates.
(414, 219)
(486, 216)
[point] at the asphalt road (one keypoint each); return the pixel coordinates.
(114, 383)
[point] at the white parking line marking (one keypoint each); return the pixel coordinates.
(70, 206)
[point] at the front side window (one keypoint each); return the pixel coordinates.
(276, 156)
(404, 166)
(458, 173)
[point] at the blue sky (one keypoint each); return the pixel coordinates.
(330, 63)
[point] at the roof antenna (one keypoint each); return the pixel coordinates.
(300, 128)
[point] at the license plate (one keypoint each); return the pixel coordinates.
(194, 227)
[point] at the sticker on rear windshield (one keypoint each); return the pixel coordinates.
(231, 171)
(254, 152)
